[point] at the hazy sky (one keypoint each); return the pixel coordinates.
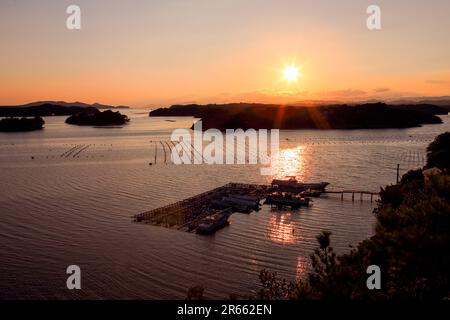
(144, 52)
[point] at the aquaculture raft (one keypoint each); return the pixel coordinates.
(188, 214)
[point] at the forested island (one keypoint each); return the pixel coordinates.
(265, 116)
(52, 108)
(105, 118)
(21, 124)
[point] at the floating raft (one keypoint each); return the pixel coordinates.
(188, 214)
(207, 208)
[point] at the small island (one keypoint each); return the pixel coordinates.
(53, 108)
(264, 116)
(105, 118)
(21, 124)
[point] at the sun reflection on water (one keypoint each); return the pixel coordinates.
(282, 229)
(289, 163)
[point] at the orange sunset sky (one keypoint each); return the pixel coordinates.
(147, 53)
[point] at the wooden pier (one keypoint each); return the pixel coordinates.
(353, 193)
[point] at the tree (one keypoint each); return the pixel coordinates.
(438, 152)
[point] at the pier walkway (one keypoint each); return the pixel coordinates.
(353, 193)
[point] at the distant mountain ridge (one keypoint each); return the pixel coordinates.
(67, 104)
(53, 108)
(269, 116)
(443, 101)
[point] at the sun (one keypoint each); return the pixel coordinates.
(291, 73)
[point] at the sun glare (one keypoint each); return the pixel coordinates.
(291, 73)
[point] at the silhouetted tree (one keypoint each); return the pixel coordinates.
(438, 152)
(22, 124)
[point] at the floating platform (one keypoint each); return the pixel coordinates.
(282, 200)
(189, 214)
(209, 211)
(214, 222)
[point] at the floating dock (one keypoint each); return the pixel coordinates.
(189, 214)
(186, 215)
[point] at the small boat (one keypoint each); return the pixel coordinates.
(287, 200)
(311, 193)
(292, 183)
(213, 222)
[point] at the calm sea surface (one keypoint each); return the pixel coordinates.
(68, 194)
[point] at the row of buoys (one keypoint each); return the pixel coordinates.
(75, 151)
(410, 160)
(70, 151)
(357, 142)
(52, 157)
(164, 150)
(168, 147)
(411, 157)
(76, 154)
(171, 145)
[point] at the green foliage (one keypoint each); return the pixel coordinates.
(273, 288)
(195, 293)
(416, 239)
(412, 175)
(438, 152)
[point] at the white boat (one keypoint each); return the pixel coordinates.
(213, 222)
(292, 183)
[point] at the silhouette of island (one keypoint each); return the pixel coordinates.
(52, 108)
(443, 101)
(97, 118)
(21, 124)
(266, 116)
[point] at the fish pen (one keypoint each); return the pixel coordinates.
(187, 214)
(210, 210)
